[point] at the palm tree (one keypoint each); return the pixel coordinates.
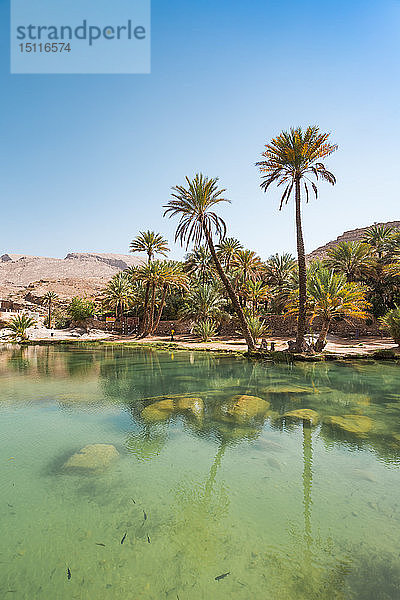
(119, 293)
(349, 258)
(152, 243)
(332, 296)
(204, 302)
(380, 238)
(227, 249)
(49, 298)
(280, 273)
(291, 158)
(255, 292)
(247, 265)
(199, 262)
(173, 277)
(19, 325)
(197, 221)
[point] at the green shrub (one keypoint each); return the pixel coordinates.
(205, 330)
(80, 309)
(392, 321)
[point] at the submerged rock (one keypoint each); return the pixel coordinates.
(193, 405)
(358, 424)
(158, 411)
(288, 389)
(93, 457)
(162, 410)
(303, 414)
(242, 408)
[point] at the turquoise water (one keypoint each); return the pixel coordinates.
(292, 511)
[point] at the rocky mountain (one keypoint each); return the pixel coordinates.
(23, 276)
(353, 235)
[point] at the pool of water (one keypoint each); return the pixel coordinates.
(210, 476)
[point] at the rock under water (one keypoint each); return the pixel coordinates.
(93, 457)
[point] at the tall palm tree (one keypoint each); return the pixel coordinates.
(119, 293)
(49, 298)
(227, 249)
(352, 259)
(291, 158)
(173, 277)
(194, 204)
(151, 243)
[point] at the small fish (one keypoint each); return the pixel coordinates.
(148, 539)
(101, 544)
(133, 501)
(145, 516)
(123, 539)
(69, 573)
(222, 576)
(10, 505)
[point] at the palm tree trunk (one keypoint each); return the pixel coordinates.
(49, 316)
(231, 293)
(301, 261)
(151, 312)
(161, 308)
(143, 324)
(321, 341)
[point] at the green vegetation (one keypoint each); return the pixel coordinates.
(220, 280)
(19, 326)
(49, 299)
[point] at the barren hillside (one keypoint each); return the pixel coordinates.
(348, 236)
(76, 274)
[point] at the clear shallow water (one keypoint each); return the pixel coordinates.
(293, 512)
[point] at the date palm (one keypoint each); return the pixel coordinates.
(255, 292)
(199, 262)
(380, 238)
(247, 265)
(172, 278)
(204, 302)
(119, 293)
(49, 298)
(291, 160)
(352, 259)
(151, 243)
(227, 249)
(19, 326)
(194, 206)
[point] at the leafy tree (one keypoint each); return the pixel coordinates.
(280, 273)
(80, 309)
(197, 221)
(255, 292)
(290, 160)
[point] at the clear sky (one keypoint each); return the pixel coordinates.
(86, 161)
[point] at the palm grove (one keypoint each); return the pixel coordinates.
(220, 280)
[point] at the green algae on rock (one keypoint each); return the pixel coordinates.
(242, 408)
(163, 409)
(93, 457)
(358, 424)
(303, 414)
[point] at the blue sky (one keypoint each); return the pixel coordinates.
(86, 161)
